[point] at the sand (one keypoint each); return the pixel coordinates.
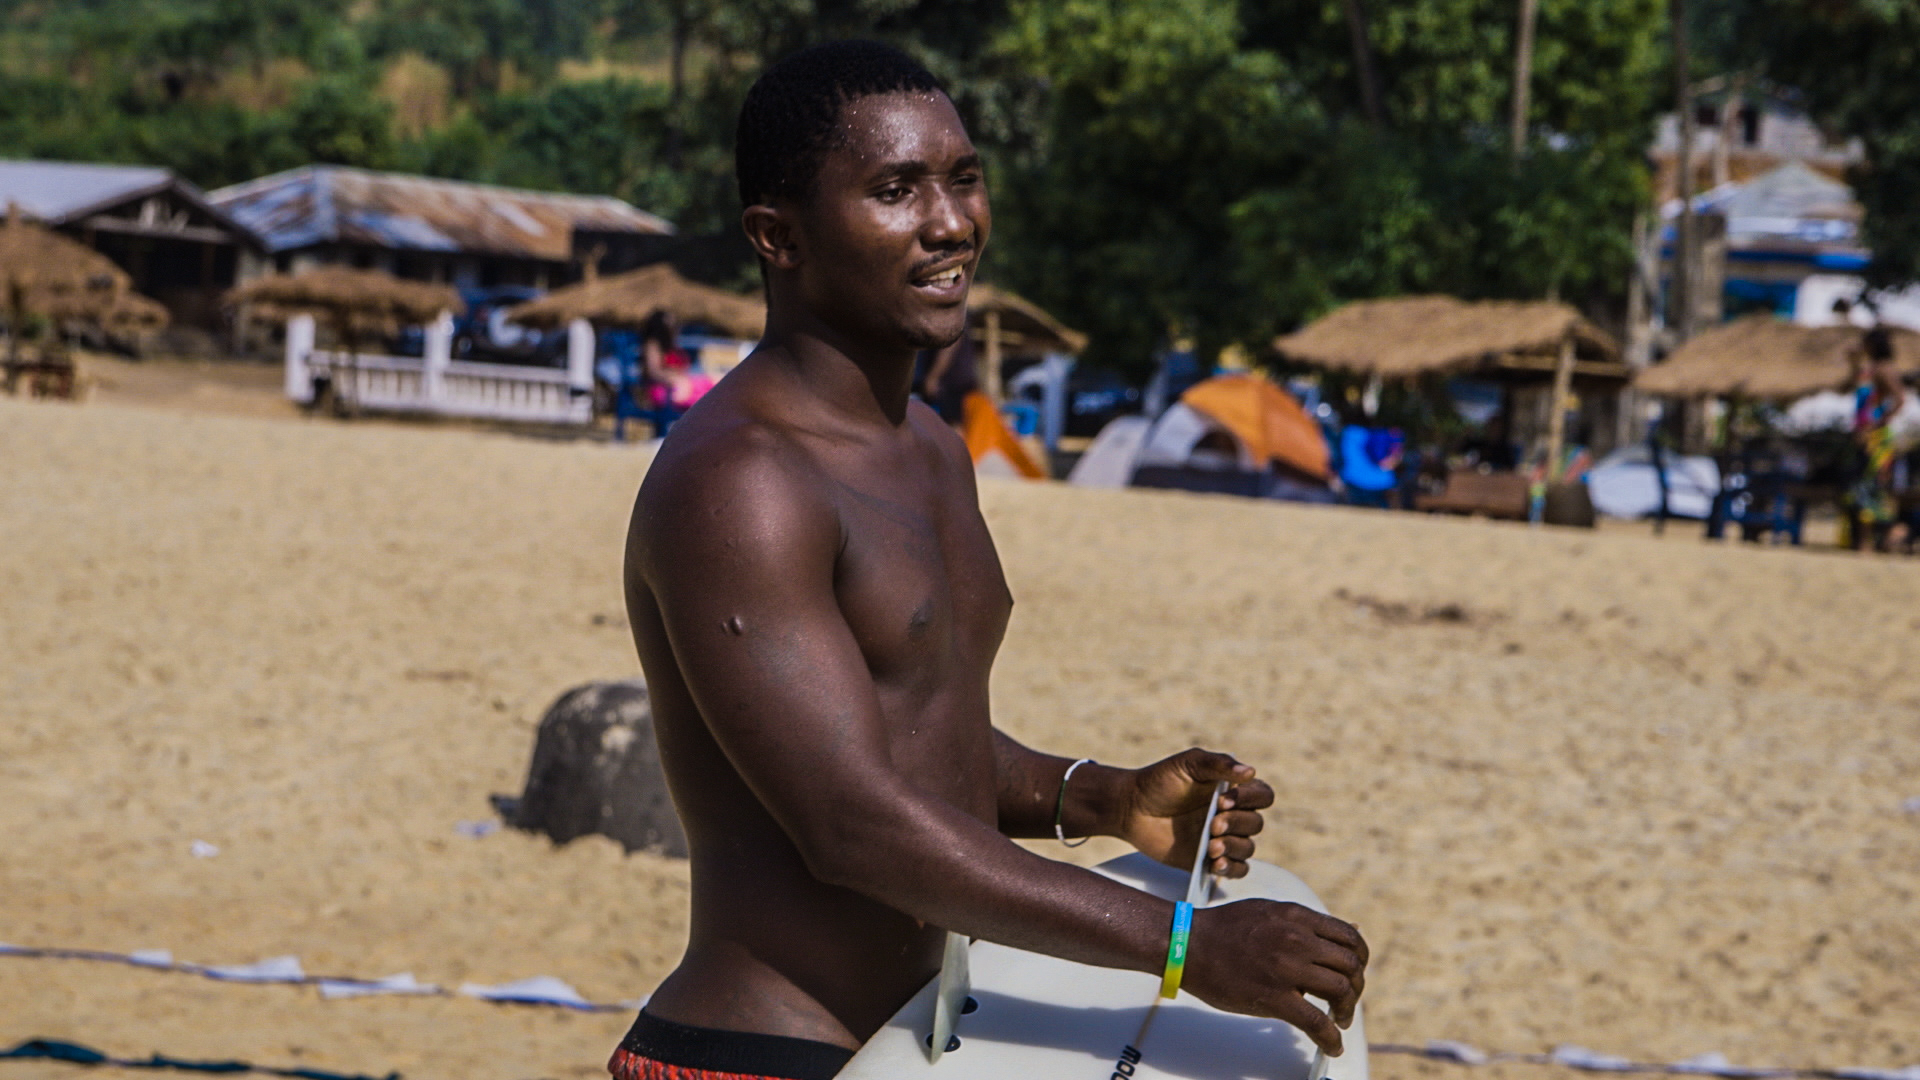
(1643, 796)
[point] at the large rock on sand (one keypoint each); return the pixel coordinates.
(596, 769)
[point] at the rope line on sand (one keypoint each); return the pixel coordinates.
(1579, 1057)
(286, 970)
(549, 991)
(76, 1054)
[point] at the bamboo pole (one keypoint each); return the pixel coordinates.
(1681, 304)
(1370, 95)
(990, 380)
(1557, 419)
(1523, 74)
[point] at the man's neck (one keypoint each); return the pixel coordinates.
(869, 385)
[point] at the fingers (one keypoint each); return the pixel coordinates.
(1206, 766)
(1235, 848)
(1238, 823)
(1341, 933)
(1251, 795)
(1306, 1016)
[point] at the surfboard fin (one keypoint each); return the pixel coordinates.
(956, 982)
(1200, 885)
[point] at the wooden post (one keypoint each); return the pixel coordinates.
(580, 357)
(299, 384)
(1680, 303)
(1523, 74)
(1557, 419)
(990, 382)
(1372, 100)
(436, 356)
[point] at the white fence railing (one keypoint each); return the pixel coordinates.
(436, 383)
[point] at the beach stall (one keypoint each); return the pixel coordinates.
(51, 286)
(1027, 358)
(715, 328)
(1769, 477)
(1546, 360)
(361, 307)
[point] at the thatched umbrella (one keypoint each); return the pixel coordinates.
(629, 300)
(1417, 335)
(1411, 336)
(1007, 320)
(47, 275)
(1767, 358)
(357, 304)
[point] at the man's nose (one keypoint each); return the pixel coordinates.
(948, 224)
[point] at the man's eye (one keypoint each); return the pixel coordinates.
(894, 194)
(967, 179)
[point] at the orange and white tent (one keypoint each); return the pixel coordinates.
(995, 449)
(1240, 424)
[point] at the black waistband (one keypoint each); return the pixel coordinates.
(745, 1052)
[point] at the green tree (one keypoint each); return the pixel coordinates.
(1158, 123)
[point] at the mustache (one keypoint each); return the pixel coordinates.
(964, 249)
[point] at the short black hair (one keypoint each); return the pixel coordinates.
(792, 114)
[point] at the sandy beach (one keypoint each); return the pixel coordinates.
(1643, 796)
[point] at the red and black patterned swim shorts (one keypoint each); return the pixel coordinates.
(657, 1049)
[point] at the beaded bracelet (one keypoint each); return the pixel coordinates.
(1060, 806)
(1177, 949)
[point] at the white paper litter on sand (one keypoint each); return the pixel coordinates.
(1579, 1057)
(403, 983)
(1715, 1063)
(1456, 1051)
(543, 989)
(272, 969)
(203, 850)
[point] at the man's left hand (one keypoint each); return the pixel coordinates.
(1167, 805)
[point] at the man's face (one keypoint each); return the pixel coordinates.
(890, 239)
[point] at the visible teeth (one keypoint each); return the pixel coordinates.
(944, 277)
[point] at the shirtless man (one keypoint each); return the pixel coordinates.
(817, 604)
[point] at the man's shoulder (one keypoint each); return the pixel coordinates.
(732, 477)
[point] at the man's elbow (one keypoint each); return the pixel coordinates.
(856, 849)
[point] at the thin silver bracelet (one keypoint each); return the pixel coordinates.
(1060, 807)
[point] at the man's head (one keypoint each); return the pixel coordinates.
(864, 196)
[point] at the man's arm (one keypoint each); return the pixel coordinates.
(739, 553)
(1159, 809)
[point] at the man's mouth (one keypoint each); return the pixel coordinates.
(940, 280)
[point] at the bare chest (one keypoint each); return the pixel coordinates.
(920, 584)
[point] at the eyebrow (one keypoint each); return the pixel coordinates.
(893, 169)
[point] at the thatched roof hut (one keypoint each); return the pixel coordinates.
(354, 302)
(630, 299)
(1411, 336)
(1023, 325)
(1767, 358)
(45, 274)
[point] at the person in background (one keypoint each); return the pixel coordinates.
(1877, 396)
(671, 381)
(944, 377)
(1368, 458)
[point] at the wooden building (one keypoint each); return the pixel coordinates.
(428, 229)
(174, 244)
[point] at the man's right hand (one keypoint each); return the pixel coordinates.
(1260, 958)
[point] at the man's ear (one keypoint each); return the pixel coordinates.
(772, 235)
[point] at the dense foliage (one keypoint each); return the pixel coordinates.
(1162, 167)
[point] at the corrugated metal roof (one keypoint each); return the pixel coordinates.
(56, 191)
(334, 204)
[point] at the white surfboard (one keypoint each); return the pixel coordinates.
(1034, 1017)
